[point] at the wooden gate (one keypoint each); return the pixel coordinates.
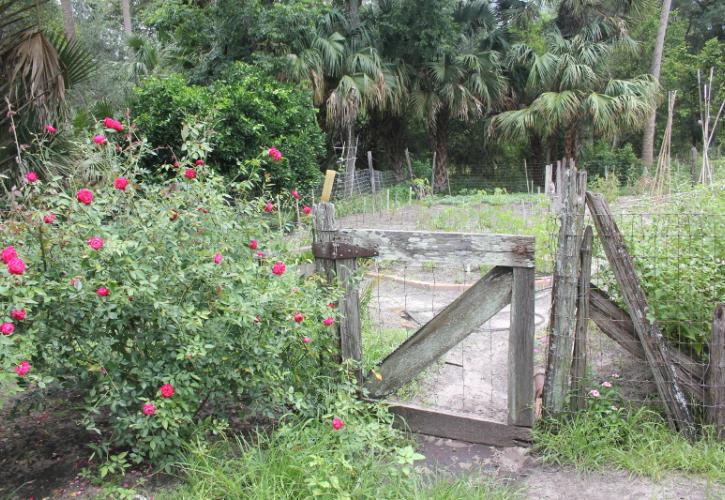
(510, 281)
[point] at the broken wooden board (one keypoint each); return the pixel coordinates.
(456, 322)
(670, 389)
(459, 249)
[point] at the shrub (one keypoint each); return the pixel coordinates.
(132, 286)
(247, 111)
(622, 161)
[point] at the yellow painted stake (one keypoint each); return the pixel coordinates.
(327, 186)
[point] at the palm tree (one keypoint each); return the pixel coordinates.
(69, 25)
(576, 96)
(463, 83)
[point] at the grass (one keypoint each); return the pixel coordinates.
(635, 440)
(310, 460)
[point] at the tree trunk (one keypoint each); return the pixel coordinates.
(440, 143)
(69, 25)
(353, 10)
(126, 8)
(570, 143)
(537, 159)
(648, 138)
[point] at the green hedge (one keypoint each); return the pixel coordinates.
(247, 110)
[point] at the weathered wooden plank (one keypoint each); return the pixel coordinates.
(472, 308)
(564, 292)
(579, 362)
(457, 426)
(521, 348)
(670, 390)
(715, 376)
(343, 270)
(450, 248)
(371, 171)
(616, 324)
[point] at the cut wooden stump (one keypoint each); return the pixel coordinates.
(449, 327)
(715, 376)
(669, 388)
(579, 362)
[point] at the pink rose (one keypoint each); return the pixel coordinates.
(31, 177)
(337, 424)
(49, 218)
(328, 321)
(22, 369)
(16, 266)
(306, 340)
(199, 162)
(190, 173)
(218, 258)
(7, 328)
(176, 164)
(18, 314)
(96, 243)
(120, 183)
(268, 207)
(331, 305)
(103, 292)
(99, 139)
(306, 210)
(149, 409)
(594, 393)
(167, 390)
(274, 154)
(9, 254)
(606, 384)
(295, 194)
(112, 124)
(298, 317)
(253, 244)
(260, 255)
(85, 196)
(50, 129)
(278, 268)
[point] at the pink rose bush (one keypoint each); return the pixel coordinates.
(274, 153)
(337, 424)
(100, 139)
(112, 124)
(120, 322)
(31, 177)
(50, 129)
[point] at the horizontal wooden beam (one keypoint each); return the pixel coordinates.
(447, 248)
(461, 317)
(451, 425)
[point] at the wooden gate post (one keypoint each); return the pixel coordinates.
(715, 376)
(564, 293)
(521, 348)
(579, 363)
(325, 230)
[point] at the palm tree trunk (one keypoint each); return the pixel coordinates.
(69, 24)
(648, 138)
(353, 10)
(126, 9)
(440, 142)
(570, 144)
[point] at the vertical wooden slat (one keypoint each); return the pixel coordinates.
(372, 171)
(343, 270)
(521, 349)
(547, 180)
(670, 389)
(564, 293)
(579, 363)
(715, 375)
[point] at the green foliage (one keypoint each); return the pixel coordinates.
(309, 459)
(247, 111)
(600, 158)
(220, 331)
(635, 440)
(678, 254)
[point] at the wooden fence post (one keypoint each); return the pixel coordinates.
(372, 171)
(547, 180)
(663, 370)
(579, 364)
(715, 376)
(349, 331)
(521, 348)
(564, 293)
